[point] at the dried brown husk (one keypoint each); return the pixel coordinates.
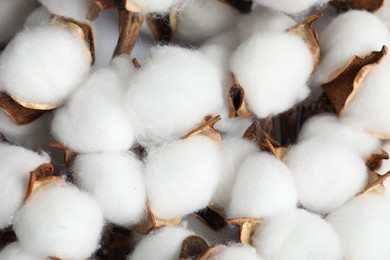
(347, 81)
(162, 26)
(69, 155)
(305, 30)
(374, 161)
(117, 243)
(212, 251)
(290, 123)
(207, 129)
(98, 6)
(153, 223)
(193, 247)
(243, 6)
(248, 226)
(212, 217)
(237, 104)
(136, 64)
(375, 183)
(368, 5)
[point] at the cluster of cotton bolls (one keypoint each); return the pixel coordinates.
(181, 146)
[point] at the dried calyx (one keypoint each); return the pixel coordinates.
(374, 161)
(247, 226)
(68, 154)
(375, 183)
(162, 26)
(237, 104)
(193, 247)
(213, 217)
(368, 5)
(207, 129)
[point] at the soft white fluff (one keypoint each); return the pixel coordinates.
(39, 17)
(61, 221)
(201, 19)
(14, 251)
(153, 6)
(164, 244)
(264, 19)
(16, 163)
(12, 15)
(384, 13)
(172, 93)
(238, 251)
(364, 228)
(297, 235)
(272, 66)
(94, 119)
(328, 129)
(181, 176)
(385, 168)
(228, 39)
(233, 153)
(369, 107)
(44, 64)
(326, 174)
(117, 183)
(291, 7)
(74, 9)
(339, 38)
(264, 186)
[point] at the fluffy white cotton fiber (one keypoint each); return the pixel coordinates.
(60, 221)
(264, 186)
(117, 183)
(328, 128)
(39, 17)
(74, 9)
(14, 251)
(364, 228)
(385, 168)
(164, 244)
(44, 64)
(153, 6)
(326, 175)
(201, 19)
(384, 13)
(181, 176)
(234, 252)
(172, 93)
(228, 39)
(349, 34)
(16, 163)
(94, 119)
(272, 67)
(290, 7)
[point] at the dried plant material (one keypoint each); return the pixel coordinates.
(374, 161)
(131, 7)
(97, 7)
(212, 251)
(136, 64)
(248, 227)
(161, 26)
(347, 81)
(35, 105)
(368, 5)
(244, 6)
(193, 247)
(305, 30)
(375, 183)
(83, 30)
(42, 175)
(19, 114)
(237, 104)
(130, 24)
(290, 123)
(212, 217)
(117, 243)
(69, 155)
(207, 129)
(7, 236)
(153, 223)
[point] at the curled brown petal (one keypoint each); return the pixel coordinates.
(193, 247)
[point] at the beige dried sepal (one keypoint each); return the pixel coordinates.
(161, 26)
(97, 7)
(248, 226)
(237, 104)
(69, 155)
(193, 247)
(375, 183)
(368, 5)
(374, 161)
(346, 82)
(305, 30)
(207, 129)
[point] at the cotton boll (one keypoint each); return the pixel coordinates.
(364, 228)
(288, 7)
(94, 119)
(61, 221)
(124, 67)
(117, 183)
(272, 67)
(202, 19)
(14, 251)
(264, 19)
(297, 235)
(172, 93)
(228, 39)
(264, 186)
(164, 244)
(16, 164)
(328, 129)
(39, 17)
(181, 176)
(153, 6)
(339, 38)
(44, 64)
(326, 175)
(238, 251)
(74, 9)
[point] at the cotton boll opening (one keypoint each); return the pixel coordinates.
(57, 218)
(74, 9)
(288, 7)
(117, 183)
(326, 175)
(181, 176)
(14, 251)
(234, 252)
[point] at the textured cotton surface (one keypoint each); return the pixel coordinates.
(44, 64)
(234, 252)
(39, 17)
(14, 178)
(384, 13)
(74, 9)
(290, 7)
(152, 6)
(117, 183)
(14, 251)
(57, 218)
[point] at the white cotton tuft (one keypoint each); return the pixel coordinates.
(60, 221)
(172, 93)
(16, 164)
(164, 244)
(74, 9)
(153, 6)
(384, 13)
(201, 19)
(181, 176)
(116, 181)
(233, 152)
(39, 17)
(228, 39)
(297, 235)
(14, 251)
(44, 64)
(238, 251)
(326, 175)
(339, 38)
(290, 7)
(273, 69)
(264, 19)
(94, 119)
(328, 128)
(264, 186)
(364, 228)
